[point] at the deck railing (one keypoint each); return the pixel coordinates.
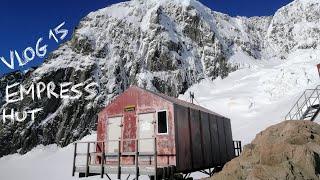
(309, 98)
(237, 148)
(97, 154)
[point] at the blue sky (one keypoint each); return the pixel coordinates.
(22, 23)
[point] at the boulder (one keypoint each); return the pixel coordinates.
(288, 150)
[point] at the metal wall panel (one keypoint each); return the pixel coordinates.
(182, 137)
(197, 156)
(214, 139)
(222, 141)
(203, 140)
(206, 140)
(129, 132)
(229, 140)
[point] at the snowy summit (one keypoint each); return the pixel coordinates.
(248, 69)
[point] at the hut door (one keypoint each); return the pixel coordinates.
(146, 132)
(114, 134)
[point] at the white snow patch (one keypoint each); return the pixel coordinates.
(43, 162)
(259, 95)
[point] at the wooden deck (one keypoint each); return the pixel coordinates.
(99, 163)
(125, 169)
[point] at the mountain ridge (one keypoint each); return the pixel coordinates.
(165, 47)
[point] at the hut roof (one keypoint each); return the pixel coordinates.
(181, 102)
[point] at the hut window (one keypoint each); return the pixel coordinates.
(162, 122)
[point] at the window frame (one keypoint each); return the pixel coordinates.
(167, 120)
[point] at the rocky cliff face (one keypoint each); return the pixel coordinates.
(289, 150)
(164, 46)
(294, 27)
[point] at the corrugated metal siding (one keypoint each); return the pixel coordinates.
(197, 156)
(222, 141)
(129, 131)
(215, 139)
(206, 140)
(229, 140)
(182, 138)
(203, 140)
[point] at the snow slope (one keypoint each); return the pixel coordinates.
(43, 162)
(261, 94)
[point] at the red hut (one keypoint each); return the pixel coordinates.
(146, 133)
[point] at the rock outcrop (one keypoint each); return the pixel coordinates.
(289, 150)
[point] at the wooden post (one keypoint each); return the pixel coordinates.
(155, 159)
(136, 159)
(102, 160)
(74, 159)
(87, 161)
(119, 160)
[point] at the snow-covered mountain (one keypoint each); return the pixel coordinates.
(169, 46)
